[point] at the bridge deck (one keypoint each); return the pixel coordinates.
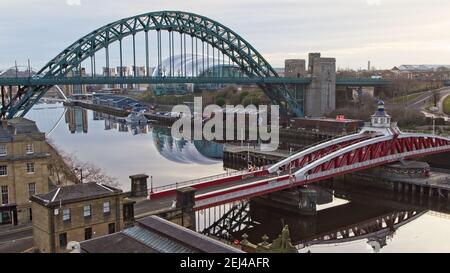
(165, 203)
(27, 81)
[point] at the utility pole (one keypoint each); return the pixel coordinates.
(151, 183)
(29, 68)
(290, 165)
(248, 154)
(434, 126)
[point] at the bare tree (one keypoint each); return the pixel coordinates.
(436, 97)
(68, 169)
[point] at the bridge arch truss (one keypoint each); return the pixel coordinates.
(227, 42)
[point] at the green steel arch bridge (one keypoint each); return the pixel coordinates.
(191, 43)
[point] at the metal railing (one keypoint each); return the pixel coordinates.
(255, 149)
(203, 179)
(429, 132)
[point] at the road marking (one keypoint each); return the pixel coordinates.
(13, 231)
(16, 240)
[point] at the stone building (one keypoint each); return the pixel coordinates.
(320, 95)
(24, 156)
(77, 213)
(294, 68)
(70, 90)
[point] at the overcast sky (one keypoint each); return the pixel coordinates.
(387, 32)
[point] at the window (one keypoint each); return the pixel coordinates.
(5, 218)
(66, 215)
(87, 233)
(3, 170)
(87, 211)
(31, 189)
(111, 228)
(30, 211)
(62, 240)
(3, 150)
(106, 207)
(30, 167)
(5, 196)
(29, 149)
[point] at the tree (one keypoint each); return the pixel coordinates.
(436, 97)
(67, 168)
(220, 101)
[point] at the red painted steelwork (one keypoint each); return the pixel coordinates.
(378, 150)
(311, 157)
(202, 185)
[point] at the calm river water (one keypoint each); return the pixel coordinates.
(122, 151)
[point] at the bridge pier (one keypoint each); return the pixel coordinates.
(406, 188)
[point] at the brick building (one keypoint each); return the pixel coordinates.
(24, 156)
(77, 213)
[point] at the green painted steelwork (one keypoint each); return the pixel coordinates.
(169, 80)
(217, 35)
(255, 68)
(149, 80)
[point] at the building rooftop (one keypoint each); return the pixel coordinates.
(156, 235)
(74, 193)
(17, 126)
(115, 243)
(423, 67)
(115, 98)
(325, 119)
(138, 176)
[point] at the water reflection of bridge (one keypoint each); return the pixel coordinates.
(373, 219)
(176, 150)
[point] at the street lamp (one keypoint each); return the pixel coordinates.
(81, 174)
(290, 165)
(434, 126)
(151, 183)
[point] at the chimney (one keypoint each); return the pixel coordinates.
(4, 123)
(139, 185)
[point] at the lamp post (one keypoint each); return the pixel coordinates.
(290, 166)
(151, 183)
(434, 126)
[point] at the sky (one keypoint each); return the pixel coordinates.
(386, 32)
